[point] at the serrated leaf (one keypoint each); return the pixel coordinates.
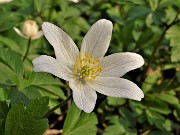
(173, 34)
(12, 60)
(21, 120)
(13, 120)
(77, 123)
(46, 85)
(11, 67)
(37, 108)
(155, 118)
(129, 116)
(16, 96)
(157, 105)
(9, 43)
(117, 126)
(137, 107)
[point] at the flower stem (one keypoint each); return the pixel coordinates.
(29, 42)
(57, 106)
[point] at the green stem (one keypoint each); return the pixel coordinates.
(57, 106)
(29, 42)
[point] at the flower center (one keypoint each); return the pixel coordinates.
(86, 67)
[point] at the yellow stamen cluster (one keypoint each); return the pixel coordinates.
(86, 67)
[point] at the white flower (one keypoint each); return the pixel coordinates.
(29, 30)
(5, 1)
(75, 1)
(89, 71)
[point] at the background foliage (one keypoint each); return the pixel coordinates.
(148, 27)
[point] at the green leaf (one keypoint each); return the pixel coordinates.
(168, 125)
(138, 12)
(46, 84)
(3, 114)
(53, 103)
(21, 120)
(117, 126)
(11, 67)
(159, 132)
(1, 127)
(173, 34)
(10, 44)
(41, 5)
(16, 96)
(13, 121)
(3, 109)
(114, 130)
(178, 75)
(37, 108)
(115, 101)
(150, 81)
(176, 113)
(77, 123)
(5, 85)
(137, 107)
(71, 118)
(115, 15)
(169, 99)
(154, 104)
(129, 116)
(9, 22)
(4, 94)
(155, 119)
(165, 3)
(177, 3)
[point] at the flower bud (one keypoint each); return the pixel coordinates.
(75, 1)
(5, 1)
(30, 28)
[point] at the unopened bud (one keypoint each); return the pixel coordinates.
(5, 1)
(30, 28)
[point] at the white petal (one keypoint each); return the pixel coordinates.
(97, 39)
(84, 96)
(19, 33)
(50, 65)
(64, 47)
(117, 87)
(38, 35)
(116, 65)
